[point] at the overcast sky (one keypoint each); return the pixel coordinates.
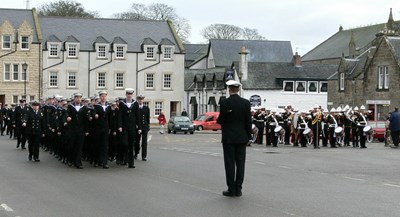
(305, 23)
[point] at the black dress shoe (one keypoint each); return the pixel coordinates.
(30, 157)
(105, 166)
(228, 193)
(37, 160)
(131, 166)
(144, 159)
(238, 194)
(79, 167)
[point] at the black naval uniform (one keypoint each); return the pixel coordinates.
(11, 122)
(144, 119)
(35, 131)
(347, 130)
(361, 124)
(20, 112)
(331, 123)
(78, 127)
(235, 120)
(316, 127)
(259, 121)
(101, 130)
(129, 113)
(115, 136)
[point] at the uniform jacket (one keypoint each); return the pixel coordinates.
(115, 121)
(235, 120)
(34, 122)
(103, 121)
(144, 117)
(129, 115)
(79, 118)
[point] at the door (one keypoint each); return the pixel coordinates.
(174, 111)
(3, 99)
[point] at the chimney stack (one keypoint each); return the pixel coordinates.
(243, 64)
(297, 60)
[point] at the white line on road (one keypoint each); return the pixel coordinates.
(6, 208)
(391, 185)
(261, 163)
(361, 180)
(285, 167)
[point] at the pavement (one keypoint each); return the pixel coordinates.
(184, 177)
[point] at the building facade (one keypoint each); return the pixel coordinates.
(20, 55)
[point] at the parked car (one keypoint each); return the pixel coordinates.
(379, 129)
(180, 124)
(207, 121)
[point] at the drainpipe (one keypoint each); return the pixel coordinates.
(111, 59)
(147, 67)
(40, 72)
(15, 49)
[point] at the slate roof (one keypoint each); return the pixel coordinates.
(86, 30)
(204, 75)
(53, 38)
(395, 45)
(194, 53)
(338, 43)
(227, 51)
(17, 17)
(119, 40)
(270, 76)
(101, 40)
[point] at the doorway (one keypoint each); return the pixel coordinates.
(174, 108)
(3, 99)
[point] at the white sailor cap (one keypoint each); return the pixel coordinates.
(339, 109)
(102, 92)
(333, 110)
(129, 90)
(355, 108)
(77, 95)
(362, 107)
(232, 83)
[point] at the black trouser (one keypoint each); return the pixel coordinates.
(354, 132)
(272, 137)
(142, 136)
(234, 159)
(395, 137)
(287, 133)
(363, 137)
(10, 129)
(113, 145)
(326, 135)
(332, 137)
(316, 133)
(102, 146)
(77, 140)
(33, 146)
(260, 126)
(347, 136)
(21, 136)
(128, 145)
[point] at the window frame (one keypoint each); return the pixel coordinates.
(51, 77)
(116, 80)
(3, 42)
(316, 86)
(51, 49)
(341, 81)
(15, 72)
(170, 52)
(69, 50)
(98, 80)
(158, 107)
(304, 86)
(153, 56)
(284, 85)
(69, 74)
(383, 78)
(102, 54)
(147, 81)
(27, 43)
(119, 54)
(5, 72)
(321, 84)
(165, 81)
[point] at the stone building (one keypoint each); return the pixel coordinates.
(20, 55)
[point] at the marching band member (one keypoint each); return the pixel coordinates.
(273, 123)
(259, 118)
(362, 122)
(302, 125)
(316, 126)
(286, 116)
(331, 121)
(347, 125)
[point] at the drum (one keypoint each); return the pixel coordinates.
(307, 131)
(339, 131)
(279, 129)
(368, 130)
(254, 129)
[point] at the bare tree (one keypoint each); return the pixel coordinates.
(221, 31)
(251, 34)
(158, 11)
(66, 8)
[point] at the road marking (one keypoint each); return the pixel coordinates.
(285, 167)
(6, 208)
(361, 180)
(391, 185)
(260, 163)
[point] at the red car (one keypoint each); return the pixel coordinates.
(379, 129)
(207, 121)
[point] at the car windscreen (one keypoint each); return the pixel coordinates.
(182, 119)
(201, 118)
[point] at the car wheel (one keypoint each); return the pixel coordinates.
(200, 128)
(174, 132)
(381, 139)
(191, 132)
(185, 132)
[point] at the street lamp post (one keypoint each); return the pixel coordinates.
(25, 67)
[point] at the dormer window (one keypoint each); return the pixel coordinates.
(120, 53)
(150, 52)
(25, 42)
(300, 86)
(101, 51)
(72, 50)
(6, 42)
(53, 50)
(313, 87)
(167, 53)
